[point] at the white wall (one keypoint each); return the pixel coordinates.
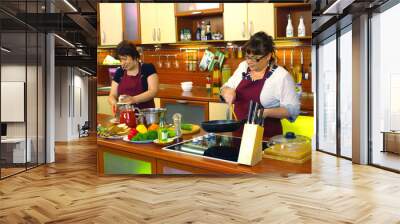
(71, 102)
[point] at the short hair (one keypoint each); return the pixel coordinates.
(124, 48)
(260, 44)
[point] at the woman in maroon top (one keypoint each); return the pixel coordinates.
(260, 79)
(137, 82)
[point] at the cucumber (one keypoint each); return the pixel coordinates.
(187, 127)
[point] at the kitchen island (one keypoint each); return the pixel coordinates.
(120, 157)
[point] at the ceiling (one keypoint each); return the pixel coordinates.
(73, 20)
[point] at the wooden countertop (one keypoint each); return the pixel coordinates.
(156, 151)
(168, 91)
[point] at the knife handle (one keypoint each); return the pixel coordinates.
(250, 110)
(255, 111)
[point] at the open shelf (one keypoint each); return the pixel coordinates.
(190, 22)
(296, 11)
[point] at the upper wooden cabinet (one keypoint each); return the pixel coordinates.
(130, 22)
(157, 23)
(189, 9)
(241, 20)
(111, 32)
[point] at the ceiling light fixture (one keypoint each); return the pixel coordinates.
(64, 40)
(70, 5)
(337, 7)
(5, 50)
(84, 71)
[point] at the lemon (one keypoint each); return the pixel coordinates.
(141, 129)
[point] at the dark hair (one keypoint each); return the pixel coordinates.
(260, 44)
(124, 48)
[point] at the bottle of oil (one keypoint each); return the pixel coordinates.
(162, 133)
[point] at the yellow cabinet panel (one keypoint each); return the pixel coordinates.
(166, 29)
(157, 23)
(110, 23)
(261, 18)
(103, 107)
(235, 21)
(217, 111)
(148, 22)
(157, 102)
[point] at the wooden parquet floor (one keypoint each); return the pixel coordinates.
(69, 191)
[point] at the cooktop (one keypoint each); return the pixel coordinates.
(213, 146)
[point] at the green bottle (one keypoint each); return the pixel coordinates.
(162, 133)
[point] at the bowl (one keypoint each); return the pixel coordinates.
(186, 83)
(186, 88)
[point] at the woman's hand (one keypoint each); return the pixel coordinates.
(114, 109)
(129, 100)
(229, 95)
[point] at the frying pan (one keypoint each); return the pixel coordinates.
(221, 125)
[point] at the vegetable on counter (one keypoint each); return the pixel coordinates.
(150, 135)
(141, 129)
(187, 127)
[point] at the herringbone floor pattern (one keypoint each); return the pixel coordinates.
(69, 191)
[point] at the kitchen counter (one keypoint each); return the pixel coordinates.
(120, 157)
(175, 92)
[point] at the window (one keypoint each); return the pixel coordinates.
(385, 88)
(326, 91)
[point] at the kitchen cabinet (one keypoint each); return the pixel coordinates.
(130, 21)
(217, 111)
(241, 20)
(110, 161)
(192, 111)
(111, 31)
(188, 9)
(157, 102)
(157, 23)
(167, 167)
(103, 107)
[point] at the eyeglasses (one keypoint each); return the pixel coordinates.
(255, 58)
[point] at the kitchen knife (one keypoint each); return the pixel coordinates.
(250, 110)
(260, 116)
(255, 113)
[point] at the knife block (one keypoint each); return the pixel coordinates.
(251, 145)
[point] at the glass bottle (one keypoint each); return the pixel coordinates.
(177, 118)
(198, 32)
(208, 31)
(301, 30)
(203, 31)
(162, 133)
(289, 27)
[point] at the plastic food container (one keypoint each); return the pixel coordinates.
(290, 148)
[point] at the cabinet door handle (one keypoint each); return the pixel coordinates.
(251, 28)
(154, 34)
(182, 101)
(103, 39)
(159, 34)
(244, 29)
